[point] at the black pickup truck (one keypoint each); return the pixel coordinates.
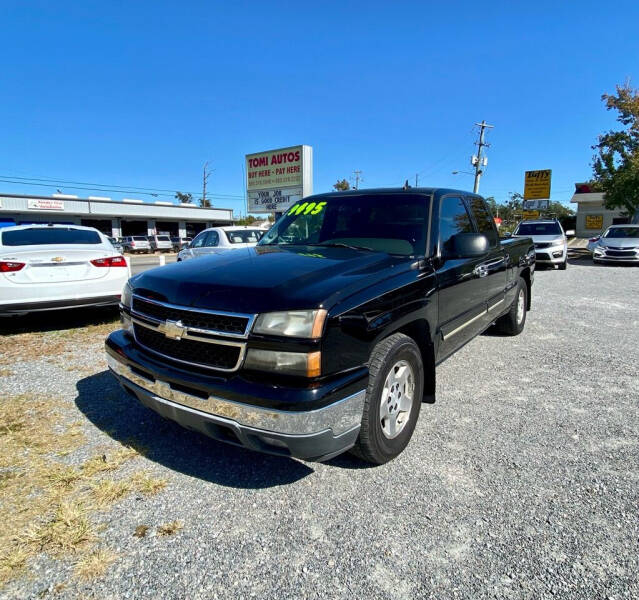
(325, 336)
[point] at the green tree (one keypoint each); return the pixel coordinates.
(342, 186)
(184, 198)
(616, 164)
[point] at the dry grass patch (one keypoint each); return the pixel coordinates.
(170, 528)
(140, 531)
(47, 505)
(94, 564)
(6, 373)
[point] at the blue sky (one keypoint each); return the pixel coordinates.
(143, 93)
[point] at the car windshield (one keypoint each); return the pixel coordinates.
(538, 229)
(622, 232)
(243, 236)
(38, 236)
(391, 223)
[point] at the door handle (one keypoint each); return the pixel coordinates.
(480, 271)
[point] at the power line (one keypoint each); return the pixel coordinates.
(104, 187)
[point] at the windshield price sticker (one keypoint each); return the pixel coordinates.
(307, 208)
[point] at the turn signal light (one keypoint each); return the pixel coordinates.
(9, 266)
(112, 261)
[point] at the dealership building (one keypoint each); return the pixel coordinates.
(115, 218)
(593, 216)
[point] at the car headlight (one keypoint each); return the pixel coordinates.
(127, 295)
(293, 323)
(599, 249)
(303, 364)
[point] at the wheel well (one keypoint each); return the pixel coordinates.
(419, 331)
(525, 274)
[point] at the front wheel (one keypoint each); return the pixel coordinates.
(512, 323)
(393, 399)
(563, 265)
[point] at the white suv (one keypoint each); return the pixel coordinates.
(551, 247)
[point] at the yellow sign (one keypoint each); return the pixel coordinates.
(531, 214)
(537, 185)
(275, 169)
(594, 221)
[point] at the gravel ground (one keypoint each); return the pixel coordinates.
(520, 482)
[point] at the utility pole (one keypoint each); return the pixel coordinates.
(416, 179)
(205, 176)
(480, 161)
(358, 178)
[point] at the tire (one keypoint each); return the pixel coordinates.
(512, 323)
(396, 362)
(563, 265)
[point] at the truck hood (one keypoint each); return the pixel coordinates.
(268, 278)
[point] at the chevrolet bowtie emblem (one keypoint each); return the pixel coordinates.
(57, 259)
(172, 329)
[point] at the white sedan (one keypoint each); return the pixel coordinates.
(44, 267)
(216, 240)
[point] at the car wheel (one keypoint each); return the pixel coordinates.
(512, 323)
(393, 399)
(563, 265)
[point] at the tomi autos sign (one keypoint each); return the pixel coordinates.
(45, 204)
(277, 179)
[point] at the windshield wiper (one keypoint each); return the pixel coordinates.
(342, 245)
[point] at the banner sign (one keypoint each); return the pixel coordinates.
(594, 221)
(45, 204)
(537, 185)
(536, 204)
(276, 179)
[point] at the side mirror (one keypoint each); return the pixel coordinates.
(468, 245)
(508, 234)
(570, 233)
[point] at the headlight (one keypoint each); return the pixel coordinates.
(599, 249)
(291, 363)
(127, 295)
(294, 323)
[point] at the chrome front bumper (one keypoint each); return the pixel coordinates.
(339, 418)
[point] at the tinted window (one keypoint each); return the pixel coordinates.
(485, 223)
(622, 232)
(163, 238)
(453, 219)
(139, 238)
(393, 223)
(243, 236)
(49, 235)
(212, 239)
(538, 229)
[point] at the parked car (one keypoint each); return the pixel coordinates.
(180, 243)
(160, 243)
(217, 240)
(551, 246)
(619, 243)
(136, 243)
(117, 245)
(325, 335)
(45, 267)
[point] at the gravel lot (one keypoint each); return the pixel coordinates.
(520, 482)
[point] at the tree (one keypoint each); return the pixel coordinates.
(342, 186)
(184, 198)
(616, 164)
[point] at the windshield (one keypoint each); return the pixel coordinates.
(622, 232)
(392, 223)
(243, 236)
(538, 229)
(38, 236)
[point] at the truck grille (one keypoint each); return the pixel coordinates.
(543, 245)
(211, 355)
(214, 322)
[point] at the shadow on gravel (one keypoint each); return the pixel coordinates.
(57, 320)
(110, 409)
(586, 261)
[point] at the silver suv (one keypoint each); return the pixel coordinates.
(551, 247)
(136, 243)
(161, 243)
